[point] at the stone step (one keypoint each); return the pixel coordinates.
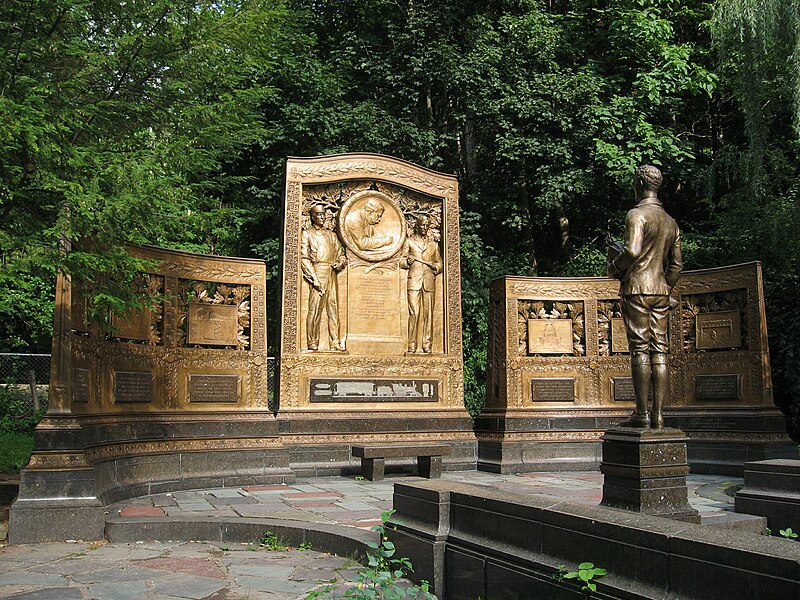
(735, 521)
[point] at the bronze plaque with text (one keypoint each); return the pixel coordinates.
(213, 324)
(718, 387)
(619, 337)
(374, 390)
(718, 330)
(623, 390)
(80, 385)
(214, 388)
(552, 389)
(133, 386)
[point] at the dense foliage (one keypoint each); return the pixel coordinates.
(168, 122)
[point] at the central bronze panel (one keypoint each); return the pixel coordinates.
(371, 283)
(213, 324)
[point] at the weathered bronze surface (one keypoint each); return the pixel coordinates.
(619, 338)
(215, 388)
(719, 329)
(707, 410)
(423, 261)
(553, 389)
(390, 366)
(321, 259)
(207, 320)
(133, 386)
(718, 387)
(552, 336)
(390, 231)
(648, 267)
(213, 324)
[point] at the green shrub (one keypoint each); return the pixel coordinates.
(16, 416)
(15, 451)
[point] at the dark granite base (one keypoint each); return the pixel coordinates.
(720, 441)
(56, 520)
(645, 471)
(130, 476)
(336, 539)
(772, 490)
(473, 541)
(320, 445)
(529, 457)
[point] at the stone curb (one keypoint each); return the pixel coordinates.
(334, 539)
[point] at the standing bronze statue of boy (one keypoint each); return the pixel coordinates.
(648, 267)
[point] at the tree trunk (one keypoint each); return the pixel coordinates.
(523, 202)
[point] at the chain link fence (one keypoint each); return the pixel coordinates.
(23, 380)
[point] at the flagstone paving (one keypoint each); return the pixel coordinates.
(151, 570)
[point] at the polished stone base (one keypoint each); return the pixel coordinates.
(320, 444)
(57, 495)
(476, 541)
(771, 489)
(722, 440)
(55, 520)
(524, 441)
(719, 442)
(507, 457)
(645, 471)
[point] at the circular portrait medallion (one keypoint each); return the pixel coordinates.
(372, 226)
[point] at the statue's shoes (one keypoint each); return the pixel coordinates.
(637, 420)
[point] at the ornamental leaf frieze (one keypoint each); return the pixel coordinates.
(219, 273)
(371, 168)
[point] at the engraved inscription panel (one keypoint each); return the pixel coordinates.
(622, 388)
(619, 338)
(80, 385)
(374, 390)
(552, 389)
(549, 336)
(133, 386)
(214, 388)
(718, 387)
(133, 325)
(718, 330)
(213, 324)
(374, 312)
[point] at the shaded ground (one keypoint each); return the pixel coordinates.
(9, 486)
(167, 571)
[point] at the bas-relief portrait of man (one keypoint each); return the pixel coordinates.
(371, 226)
(376, 240)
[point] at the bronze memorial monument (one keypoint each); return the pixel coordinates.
(648, 267)
(559, 371)
(371, 338)
(645, 469)
(175, 397)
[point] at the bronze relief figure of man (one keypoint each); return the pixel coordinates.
(321, 258)
(424, 262)
(648, 269)
(361, 226)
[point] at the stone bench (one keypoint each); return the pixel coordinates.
(429, 458)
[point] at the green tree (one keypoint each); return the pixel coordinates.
(756, 170)
(117, 125)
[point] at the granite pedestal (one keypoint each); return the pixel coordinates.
(645, 471)
(771, 489)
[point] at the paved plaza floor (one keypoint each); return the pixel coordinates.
(164, 569)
